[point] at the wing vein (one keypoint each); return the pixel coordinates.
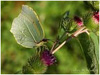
(23, 33)
(30, 32)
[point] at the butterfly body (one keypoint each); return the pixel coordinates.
(41, 42)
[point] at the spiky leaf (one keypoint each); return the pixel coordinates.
(67, 23)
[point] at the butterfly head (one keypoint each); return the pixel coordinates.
(45, 40)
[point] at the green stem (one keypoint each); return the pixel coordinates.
(57, 41)
(62, 36)
(62, 44)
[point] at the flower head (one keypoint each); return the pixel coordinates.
(96, 17)
(78, 20)
(47, 58)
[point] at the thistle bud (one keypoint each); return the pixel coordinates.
(96, 17)
(78, 20)
(47, 58)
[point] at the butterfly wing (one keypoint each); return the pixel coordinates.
(31, 14)
(26, 28)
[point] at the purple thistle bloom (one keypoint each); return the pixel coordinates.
(47, 58)
(78, 20)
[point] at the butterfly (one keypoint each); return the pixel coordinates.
(27, 28)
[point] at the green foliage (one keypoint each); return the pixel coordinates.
(96, 44)
(94, 5)
(88, 46)
(67, 23)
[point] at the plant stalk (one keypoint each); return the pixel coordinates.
(75, 34)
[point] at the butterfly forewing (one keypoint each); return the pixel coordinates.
(26, 28)
(32, 16)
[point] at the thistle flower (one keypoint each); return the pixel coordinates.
(47, 58)
(96, 17)
(78, 21)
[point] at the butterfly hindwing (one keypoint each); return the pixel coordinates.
(26, 28)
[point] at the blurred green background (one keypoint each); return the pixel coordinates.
(70, 58)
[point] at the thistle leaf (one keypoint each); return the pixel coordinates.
(66, 23)
(96, 44)
(88, 47)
